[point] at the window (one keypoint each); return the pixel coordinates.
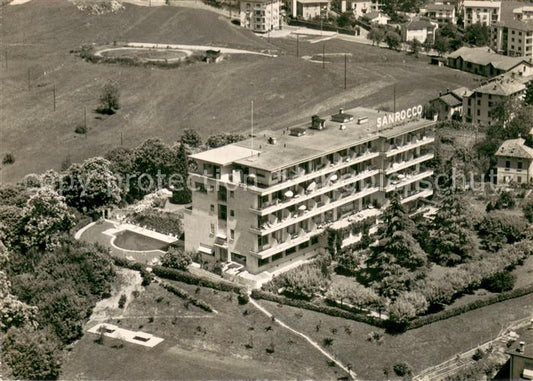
(231, 194)
(507, 164)
(478, 113)
(212, 208)
(212, 228)
(232, 234)
(290, 251)
(518, 179)
(519, 165)
(314, 240)
(232, 213)
(277, 256)
(262, 262)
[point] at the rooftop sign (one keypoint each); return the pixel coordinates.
(400, 116)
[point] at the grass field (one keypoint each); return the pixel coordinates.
(197, 345)
(421, 348)
(38, 36)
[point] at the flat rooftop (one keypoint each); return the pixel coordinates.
(291, 150)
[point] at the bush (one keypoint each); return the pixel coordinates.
(162, 222)
(478, 354)
(402, 369)
(177, 259)
(499, 282)
(146, 276)
(528, 211)
(122, 301)
(9, 158)
(243, 299)
(301, 282)
(109, 99)
(80, 130)
(187, 297)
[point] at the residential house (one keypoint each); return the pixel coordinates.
(450, 103)
(376, 17)
(260, 16)
(481, 12)
(421, 29)
(360, 7)
(515, 165)
(309, 9)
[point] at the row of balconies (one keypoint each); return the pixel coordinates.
(417, 142)
(299, 194)
(316, 208)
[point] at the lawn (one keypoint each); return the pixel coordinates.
(155, 102)
(197, 345)
(421, 348)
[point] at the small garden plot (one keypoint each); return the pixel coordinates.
(130, 240)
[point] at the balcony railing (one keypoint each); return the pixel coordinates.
(294, 218)
(427, 139)
(408, 180)
(279, 204)
(291, 241)
(415, 195)
(395, 167)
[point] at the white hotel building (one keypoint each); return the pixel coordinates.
(266, 202)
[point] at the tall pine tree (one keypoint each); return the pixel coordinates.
(182, 192)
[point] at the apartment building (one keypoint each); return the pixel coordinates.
(309, 9)
(265, 202)
(439, 12)
(513, 36)
(482, 12)
(479, 106)
(514, 162)
(260, 16)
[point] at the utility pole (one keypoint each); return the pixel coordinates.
(252, 125)
(344, 71)
(54, 91)
(394, 99)
(323, 55)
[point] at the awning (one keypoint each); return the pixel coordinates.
(302, 207)
(288, 194)
(205, 250)
(311, 186)
(527, 374)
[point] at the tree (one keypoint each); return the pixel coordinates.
(450, 237)
(109, 98)
(45, 218)
(343, 20)
(476, 34)
(91, 185)
(191, 138)
(441, 45)
(499, 282)
(397, 259)
(528, 99)
(176, 258)
(181, 193)
(528, 211)
(415, 47)
(32, 354)
(393, 40)
(376, 35)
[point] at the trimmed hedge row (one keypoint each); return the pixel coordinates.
(332, 311)
(428, 319)
(181, 276)
(188, 297)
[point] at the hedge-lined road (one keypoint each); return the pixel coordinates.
(452, 366)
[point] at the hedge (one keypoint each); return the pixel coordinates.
(428, 319)
(332, 311)
(188, 297)
(324, 26)
(181, 276)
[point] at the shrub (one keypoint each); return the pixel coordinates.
(177, 259)
(147, 277)
(478, 354)
(243, 298)
(109, 99)
(122, 301)
(9, 158)
(499, 282)
(300, 283)
(528, 211)
(80, 130)
(402, 369)
(187, 297)
(162, 222)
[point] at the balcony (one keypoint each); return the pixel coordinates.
(408, 180)
(323, 169)
(420, 194)
(395, 167)
(304, 195)
(427, 139)
(299, 216)
(291, 241)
